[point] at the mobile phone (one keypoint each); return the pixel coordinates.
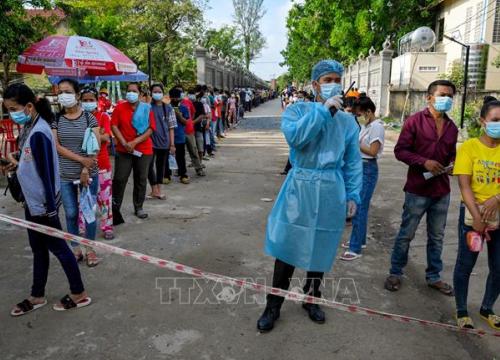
(4, 162)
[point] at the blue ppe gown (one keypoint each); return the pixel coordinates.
(306, 223)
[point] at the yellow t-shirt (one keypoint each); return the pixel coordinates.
(483, 164)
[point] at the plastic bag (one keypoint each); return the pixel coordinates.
(172, 163)
(88, 205)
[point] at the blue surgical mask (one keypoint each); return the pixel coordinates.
(157, 96)
(132, 97)
(443, 103)
(89, 106)
(192, 97)
(492, 129)
(19, 117)
(330, 89)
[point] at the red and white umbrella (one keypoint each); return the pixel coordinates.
(74, 56)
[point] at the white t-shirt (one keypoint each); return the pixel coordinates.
(371, 133)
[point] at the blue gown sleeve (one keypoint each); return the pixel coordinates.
(353, 165)
(41, 149)
(301, 123)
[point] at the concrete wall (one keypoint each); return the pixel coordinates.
(217, 71)
(421, 64)
(373, 76)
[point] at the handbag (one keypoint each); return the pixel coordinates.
(492, 223)
(14, 187)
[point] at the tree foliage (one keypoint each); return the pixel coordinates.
(19, 31)
(227, 40)
(247, 14)
(342, 30)
(173, 25)
(455, 74)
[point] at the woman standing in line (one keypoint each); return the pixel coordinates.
(38, 174)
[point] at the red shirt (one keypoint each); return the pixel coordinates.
(122, 119)
(103, 104)
(189, 129)
(104, 122)
(418, 143)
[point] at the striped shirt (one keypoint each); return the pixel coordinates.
(70, 134)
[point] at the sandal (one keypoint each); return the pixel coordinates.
(465, 322)
(492, 320)
(92, 259)
(79, 256)
(25, 307)
(66, 303)
(392, 283)
(442, 287)
(349, 256)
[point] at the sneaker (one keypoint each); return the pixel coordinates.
(108, 235)
(141, 214)
(166, 181)
(201, 172)
(185, 180)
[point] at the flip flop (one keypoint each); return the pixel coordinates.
(442, 287)
(67, 303)
(25, 307)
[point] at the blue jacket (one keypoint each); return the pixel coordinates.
(38, 171)
(306, 223)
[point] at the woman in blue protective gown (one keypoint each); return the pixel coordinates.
(306, 223)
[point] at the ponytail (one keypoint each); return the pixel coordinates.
(42, 106)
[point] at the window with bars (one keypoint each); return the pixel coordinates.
(496, 26)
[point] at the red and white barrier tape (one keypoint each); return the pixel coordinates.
(171, 265)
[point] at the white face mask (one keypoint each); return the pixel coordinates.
(67, 100)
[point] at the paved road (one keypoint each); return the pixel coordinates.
(217, 223)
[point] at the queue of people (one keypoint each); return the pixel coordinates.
(64, 159)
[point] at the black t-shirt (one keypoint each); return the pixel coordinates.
(199, 109)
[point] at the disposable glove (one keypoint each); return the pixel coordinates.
(335, 101)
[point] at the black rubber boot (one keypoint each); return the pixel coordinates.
(315, 313)
(267, 319)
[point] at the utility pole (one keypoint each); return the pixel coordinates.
(466, 73)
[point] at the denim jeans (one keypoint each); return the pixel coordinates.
(414, 209)
(41, 244)
(220, 126)
(213, 132)
(360, 220)
(69, 195)
(466, 260)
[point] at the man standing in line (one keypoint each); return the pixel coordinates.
(427, 144)
(307, 221)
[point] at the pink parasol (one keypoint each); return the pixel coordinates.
(74, 56)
